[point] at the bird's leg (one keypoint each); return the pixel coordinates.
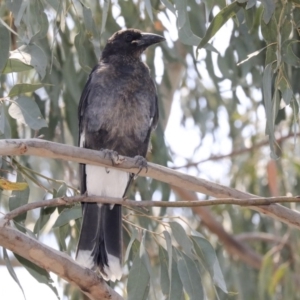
(141, 162)
(114, 156)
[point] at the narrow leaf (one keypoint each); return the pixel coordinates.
(176, 287)
(26, 111)
(169, 5)
(218, 21)
(44, 217)
(11, 270)
(105, 9)
(269, 8)
(41, 275)
(181, 238)
(149, 9)
(169, 249)
(4, 49)
(22, 88)
(190, 277)
(134, 235)
(164, 277)
(138, 280)
(67, 215)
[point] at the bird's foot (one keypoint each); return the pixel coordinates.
(142, 163)
(114, 156)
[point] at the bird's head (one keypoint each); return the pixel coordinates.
(130, 42)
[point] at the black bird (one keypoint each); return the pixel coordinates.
(117, 111)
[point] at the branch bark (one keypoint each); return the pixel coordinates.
(59, 151)
(146, 203)
(57, 262)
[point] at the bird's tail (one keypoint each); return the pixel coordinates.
(100, 242)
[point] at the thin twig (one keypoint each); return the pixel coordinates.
(147, 203)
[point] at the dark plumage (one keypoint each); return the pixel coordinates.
(118, 110)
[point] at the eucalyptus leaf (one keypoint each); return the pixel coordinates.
(22, 88)
(149, 9)
(67, 215)
(105, 8)
(169, 249)
(138, 283)
(218, 21)
(182, 238)
(190, 277)
(4, 49)
(269, 8)
(134, 235)
(288, 54)
(164, 276)
(40, 274)
(11, 270)
(27, 112)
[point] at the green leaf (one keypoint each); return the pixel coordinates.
(27, 112)
(176, 287)
(67, 215)
(164, 277)
(190, 277)
(267, 93)
(26, 57)
(208, 257)
(4, 123)
(269, 8)
(169, 5)
(43, 23)
(138, 280)
(182, 17)
(22, 88)
(134, 235)
(205, 252)
(41, 275)
(79, 43)
(149, 9)
(181, 238)
(11, 270)
(288, 54)
(265, 275)
(169, 249)
(15, 65)
(269, 31)
(44, 217)
(105, 9)
(4, 49)
(218, 21)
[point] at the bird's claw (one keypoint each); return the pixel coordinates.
(114, 156)
(142, 163)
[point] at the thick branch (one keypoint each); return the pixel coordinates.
(57, 262)
(146, 203)
(54, 150)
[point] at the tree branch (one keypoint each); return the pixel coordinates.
(233, 246)
(57, 262)
(54, 150)
(146, 203)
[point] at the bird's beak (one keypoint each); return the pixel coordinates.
(149, 39)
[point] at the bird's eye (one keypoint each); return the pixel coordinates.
(129, 37)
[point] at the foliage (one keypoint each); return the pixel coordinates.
(47, 50)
